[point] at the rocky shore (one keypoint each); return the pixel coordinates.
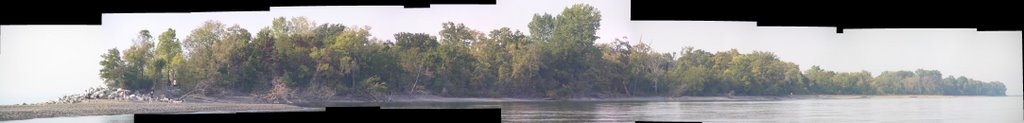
(112, 94)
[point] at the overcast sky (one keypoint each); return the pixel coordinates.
(36, 65)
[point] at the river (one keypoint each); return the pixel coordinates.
(979, 109)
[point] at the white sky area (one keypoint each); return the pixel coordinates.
(982, 55)
(41, 63)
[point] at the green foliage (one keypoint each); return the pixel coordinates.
(138, 72)
(374, 88)
(419, 41)
(558, 59)
(113, 71)
(541, 27)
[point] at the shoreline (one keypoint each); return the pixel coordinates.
(656, 98)
(114, 107)
(96, 107)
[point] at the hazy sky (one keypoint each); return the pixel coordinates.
(39, 63)
(982, 55)
(36, 65)
(30, 73)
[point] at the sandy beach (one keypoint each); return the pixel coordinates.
(112, 107)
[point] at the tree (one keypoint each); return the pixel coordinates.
(693, 71)
(298, 58)
(571, 44)
(138, 72)
(505, 43)
(113, 73)
(262, 63)
(231, 57)
(349, 47)
(168, 56)
(416, 57)
(541, 27)
(291, 50)
(418, 41)
(456, 62)
(202, 75)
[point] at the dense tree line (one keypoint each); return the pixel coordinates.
(558, 58)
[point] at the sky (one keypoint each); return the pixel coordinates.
(31, 71)
(37, 66)
(981, 55)
(26, 72)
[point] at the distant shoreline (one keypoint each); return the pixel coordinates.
(115, 107)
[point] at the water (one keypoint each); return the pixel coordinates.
(926, 110)
(901, 110)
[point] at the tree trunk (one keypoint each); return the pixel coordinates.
(419, 72)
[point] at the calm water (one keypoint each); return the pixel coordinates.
(926, 110)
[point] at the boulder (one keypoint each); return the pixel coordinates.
(90, 95)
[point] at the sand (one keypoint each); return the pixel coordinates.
(112, 107)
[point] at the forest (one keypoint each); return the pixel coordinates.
(558, 58)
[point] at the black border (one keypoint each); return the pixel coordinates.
(983, 15)
(334, 114)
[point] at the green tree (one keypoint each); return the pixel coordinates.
(202, 74)
(559, 59)
(541, 27)
(416, 58)
(570, 46)
(456, 63)
(113, 71)
(139, 74)
(168, 55)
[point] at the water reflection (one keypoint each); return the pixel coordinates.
(951, 109)
(920, 110)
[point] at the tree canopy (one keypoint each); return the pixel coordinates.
(558, 59)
